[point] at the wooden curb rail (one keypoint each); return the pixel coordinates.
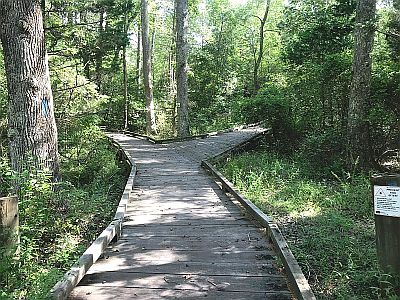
(113, 231)
(297, 280)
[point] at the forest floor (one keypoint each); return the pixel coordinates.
(327, 220)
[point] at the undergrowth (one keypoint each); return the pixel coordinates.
(57, 223)
(327, 220)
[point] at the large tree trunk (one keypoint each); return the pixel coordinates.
(359, 153)
(151, 127)
(181, 8)
(31, 125)
(257, 62)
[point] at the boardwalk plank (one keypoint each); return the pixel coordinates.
(250, 256)
(194, 242)
(149, 200)
(114, 293)
(173, 210)
(184, 216)
(186, 281)
(199, 268)
(191, 230)
(156, 221)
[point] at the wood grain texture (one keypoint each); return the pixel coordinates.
(183, 238)
(9, 222)
(111, 293)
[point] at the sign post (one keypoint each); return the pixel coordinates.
(9, 237)
(386, 197)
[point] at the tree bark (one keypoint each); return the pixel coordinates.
(138, 50)
(151, 127)
(125, 74)
(31, 124)
(99, 52)
(171, 75)
(182, 15)
(394, 30)
(359, 154)
(257, 63)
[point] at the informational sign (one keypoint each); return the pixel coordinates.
(387, 200)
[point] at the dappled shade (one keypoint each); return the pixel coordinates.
(183, 237)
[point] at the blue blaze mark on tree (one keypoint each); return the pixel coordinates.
(45, 107)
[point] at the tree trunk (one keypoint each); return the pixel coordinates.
(125, 74)
(359, 154)
(172, 88)
(181, 8)
(171, 73)
(153, 42)
(99, 53)
(151, 127)
(257, 63)
(138, 50)
(31, 124)
(125, 88)
(220, 49)
(394, 28)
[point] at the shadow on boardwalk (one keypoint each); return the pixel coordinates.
(183, 238)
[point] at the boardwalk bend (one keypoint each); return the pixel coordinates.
(183, 238)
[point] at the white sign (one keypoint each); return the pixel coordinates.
(387, 200)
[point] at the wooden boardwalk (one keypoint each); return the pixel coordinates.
(183, 238)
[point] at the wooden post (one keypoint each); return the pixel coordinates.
(9, 223)
(386, 197)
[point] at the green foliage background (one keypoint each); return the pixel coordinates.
(305, 76)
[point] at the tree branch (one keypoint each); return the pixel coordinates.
(391, 34)
(71, 87)
(70, 25)
(61, 53)
(255, 16)
(272, 30)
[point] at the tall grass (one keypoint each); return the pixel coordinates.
(327, 221)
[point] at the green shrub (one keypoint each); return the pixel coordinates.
(271, 107)
(324, 152)
(57, 224)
